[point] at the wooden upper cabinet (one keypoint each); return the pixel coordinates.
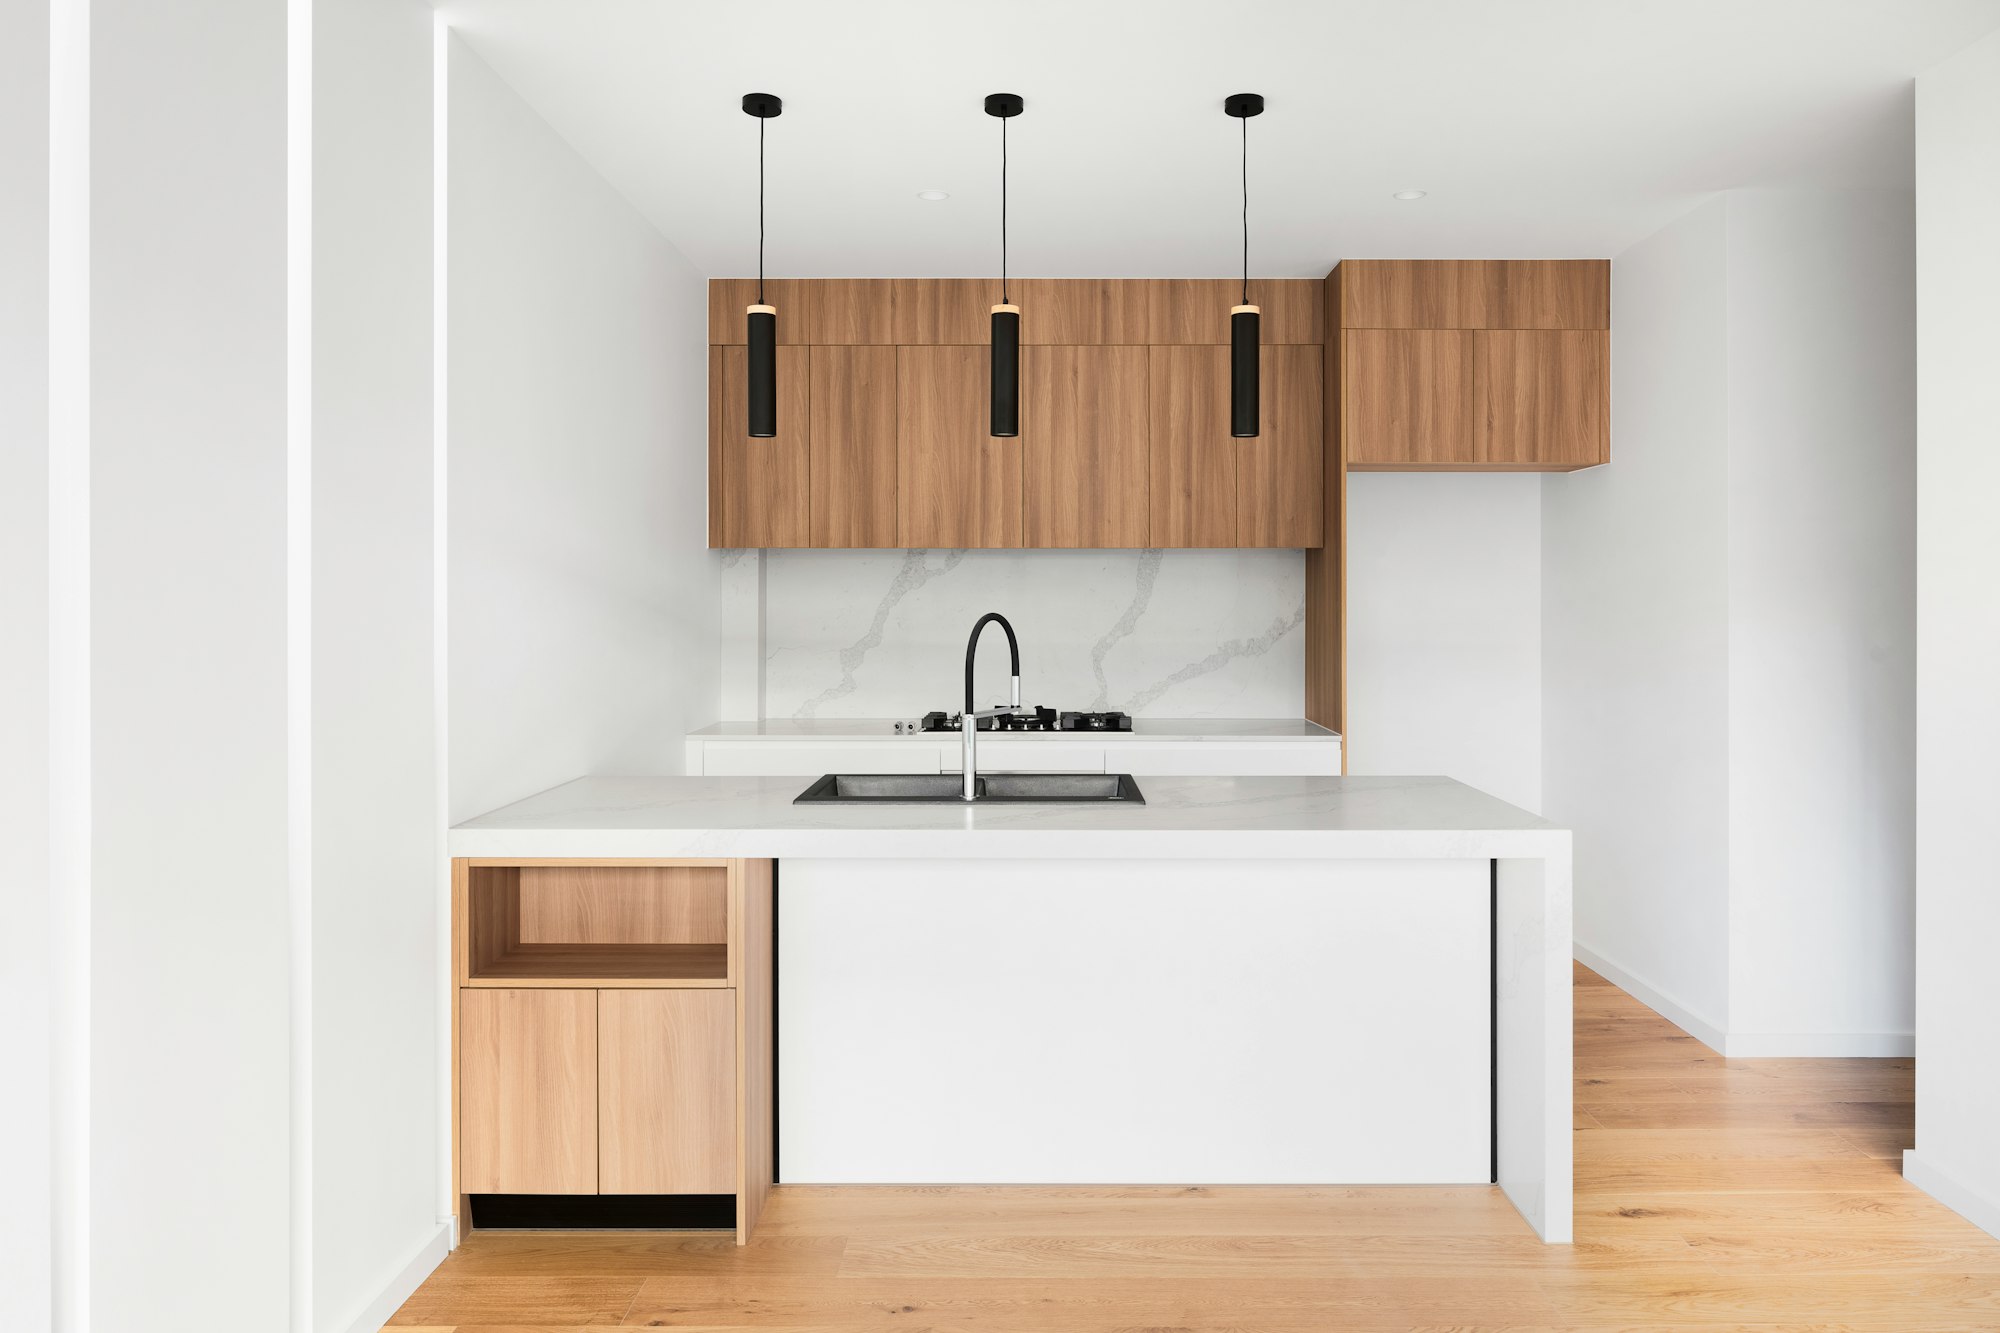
(762, 496)
(1475, 294)
(1196, 310)
(1084, 447)
(1070, 312)
(811, 312)
(958, 485)
(1211, 489)
(1541, 399)
(929, 311)
(666, 1079)
(1278, 475)
(1407, 398)
(852, 446)
(527, 1091)
(1193, 464)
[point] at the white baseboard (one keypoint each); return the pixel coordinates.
(1646, 993)
(1745, 1045)
(1976, 1208)
(1837, 1045)
(387, 1301)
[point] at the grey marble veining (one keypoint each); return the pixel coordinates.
(1185, 634)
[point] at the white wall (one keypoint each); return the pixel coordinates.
(189, 1080)
(1153, 633)
(1822, 575)
(27, 972)
(1957, 1156)
(1728, 682)
(377, 817)
(1444, 629)
(581, 586)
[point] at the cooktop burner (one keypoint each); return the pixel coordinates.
(1041, 719)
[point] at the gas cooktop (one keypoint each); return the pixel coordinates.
(1037, 719)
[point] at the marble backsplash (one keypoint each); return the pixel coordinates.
(882, 633)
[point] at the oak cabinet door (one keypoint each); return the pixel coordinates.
(757, 489)
(1278, 474)
(853, 446)
(1542, 398)
(528, 1091)
(1084, 447)
(958, 485)
(666, 1077)
(1407, 395)
(1193, 459)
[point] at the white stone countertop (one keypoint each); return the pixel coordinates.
(1211, 817)
(1143, 729)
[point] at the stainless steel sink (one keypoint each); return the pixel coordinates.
(947, 789)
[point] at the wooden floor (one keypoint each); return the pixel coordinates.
(1745, 1194)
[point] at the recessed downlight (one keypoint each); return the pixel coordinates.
(933, 195)
(1411, 194)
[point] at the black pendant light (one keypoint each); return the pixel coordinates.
(1006, 371)
(762, 333)
(1245, 319)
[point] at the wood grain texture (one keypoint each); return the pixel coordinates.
(1476, 294)
(1278, 474)
(528, 1100)
(852, 446)
(960, 487)
(666, 1079)
(1196, 310)
(1194, 460)
(623, 905)
(756, 1061)
(765, 483)
(934, 311)
(1084, 445)
(1326, 565)
(1072, 312)
(814, 312)
(1759, 1220)
(1407, 397)
(559, 966)
(1542, 400)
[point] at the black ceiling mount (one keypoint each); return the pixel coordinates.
(1004, 104)
(1244, 105)
(763, 105)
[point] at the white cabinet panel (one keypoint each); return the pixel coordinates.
(1269, 1022)
(1025, 756)
(1222, 759)
(776, 759)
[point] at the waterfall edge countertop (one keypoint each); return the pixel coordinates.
(1236, 817)
(1144, 729)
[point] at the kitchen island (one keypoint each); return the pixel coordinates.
(1244, 980)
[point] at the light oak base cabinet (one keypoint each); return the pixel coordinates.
(612, 1033)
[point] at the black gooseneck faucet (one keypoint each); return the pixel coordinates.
(969, 720)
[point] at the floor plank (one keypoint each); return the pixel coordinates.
(1758, 1195)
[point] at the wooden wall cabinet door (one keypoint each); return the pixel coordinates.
(666, 1079)
(528, 1091)
(958, 486)
(1278, 474)
(1408, 398)
(1084, 447)
(1193, 462)
(762, 498)
(1542, 399)
(852, 446)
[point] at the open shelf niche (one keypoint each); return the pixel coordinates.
(597, 925)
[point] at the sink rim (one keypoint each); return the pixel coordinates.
(825, 790)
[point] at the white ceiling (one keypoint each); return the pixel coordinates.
(1541, 128)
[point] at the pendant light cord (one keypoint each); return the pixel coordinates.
(1246, 209)
(760, 211)
(1003, 210)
